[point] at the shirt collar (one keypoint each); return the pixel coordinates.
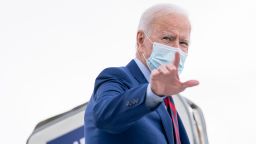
(143, 69)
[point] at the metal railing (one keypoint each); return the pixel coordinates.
(68, 127)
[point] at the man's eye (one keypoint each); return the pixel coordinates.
(184, 43)
(167, 38)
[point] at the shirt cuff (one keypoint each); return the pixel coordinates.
(152, 100)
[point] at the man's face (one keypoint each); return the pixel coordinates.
(172, 30)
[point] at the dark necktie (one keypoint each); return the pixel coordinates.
(173, 114)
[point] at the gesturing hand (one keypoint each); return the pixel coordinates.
(165, 80)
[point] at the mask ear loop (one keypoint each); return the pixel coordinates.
(148, 38)
(144, 57)
(146, 35)
(142, 54)
(147, 61)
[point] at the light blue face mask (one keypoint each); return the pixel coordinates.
(163, 54)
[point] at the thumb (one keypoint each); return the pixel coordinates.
(190, 83)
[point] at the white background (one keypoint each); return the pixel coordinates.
(52, 50)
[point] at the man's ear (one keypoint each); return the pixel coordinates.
(140, 39)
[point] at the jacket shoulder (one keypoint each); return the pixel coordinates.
(113, 72)
(119, 75)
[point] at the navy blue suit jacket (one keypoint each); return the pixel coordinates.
(117, 114)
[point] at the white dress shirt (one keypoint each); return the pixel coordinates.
(151, 98)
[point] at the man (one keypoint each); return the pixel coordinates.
(133, 104)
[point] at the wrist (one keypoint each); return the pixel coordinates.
(155, 91)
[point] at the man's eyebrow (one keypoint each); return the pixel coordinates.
(186, 40)
(183, 38)
(168, 33)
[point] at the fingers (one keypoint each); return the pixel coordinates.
(167, 68)
(190, 83)
(154, 74)
(176, 61)
(174, 70)
(171, 67)
(164, 81)
(163, 69)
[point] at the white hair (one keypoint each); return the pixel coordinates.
(156, 11)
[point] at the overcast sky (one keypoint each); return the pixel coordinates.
(52, 50)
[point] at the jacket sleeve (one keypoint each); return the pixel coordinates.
(117, 103)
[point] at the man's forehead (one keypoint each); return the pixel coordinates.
(172, 19)
(167, 29)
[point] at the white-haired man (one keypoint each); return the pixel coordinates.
(133, 104)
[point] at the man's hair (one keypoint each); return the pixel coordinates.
(156, 11)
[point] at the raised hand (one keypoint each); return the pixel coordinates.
(165, 80)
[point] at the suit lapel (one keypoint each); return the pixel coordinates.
(136, 72)
(166, 121)
(183, 133)
(161, 110)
